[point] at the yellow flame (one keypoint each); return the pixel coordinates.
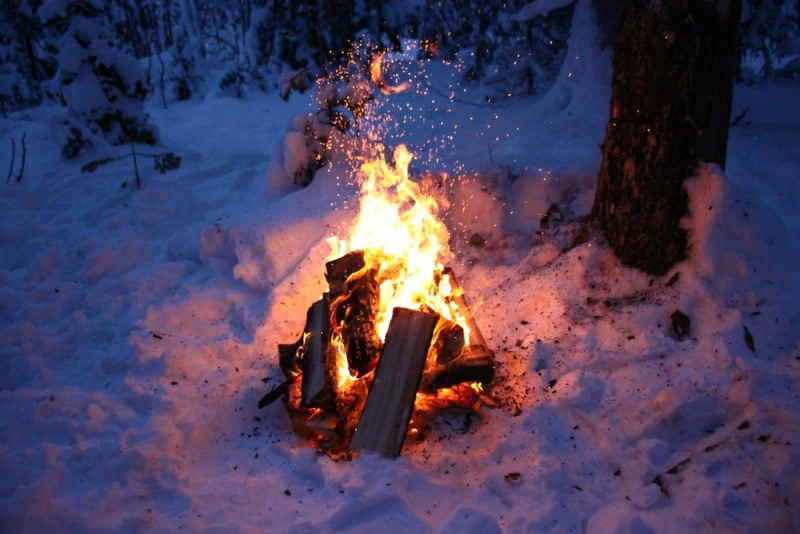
(343, 377)
(399, 230)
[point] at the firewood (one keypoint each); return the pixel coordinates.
(337, 271)
(317, 383)
(448, 340)
(287, 357)
(384, 422)
(475, 336)
(349, 407)
(354, 307)
(275, 394)
(475, 363)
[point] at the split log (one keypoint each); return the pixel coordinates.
(384, 422)
(317, 383)
(354, 306)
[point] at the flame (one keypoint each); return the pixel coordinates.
(377, 77)
(399, 230)
(343, 377)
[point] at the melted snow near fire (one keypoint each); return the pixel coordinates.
(139, 329)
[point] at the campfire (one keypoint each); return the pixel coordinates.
(392, 341)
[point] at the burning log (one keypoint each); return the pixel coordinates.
(355, 302)
(458, 360)
(384, 421)
(345, 388)
(448, 340)
(339, 270)
(457, 296)
(475, 363)
(317, 386)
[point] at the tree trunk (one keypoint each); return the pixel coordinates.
(672, 89)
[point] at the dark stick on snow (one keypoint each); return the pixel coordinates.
(275, 394)
(13, 154)
(384, 422)
(136, 167)
(22, 166)
(739, 118)
(161, 81)
(454, 99)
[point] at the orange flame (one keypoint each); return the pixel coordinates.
(377, 77)
(399, 230)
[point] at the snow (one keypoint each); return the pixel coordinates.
(137, 326)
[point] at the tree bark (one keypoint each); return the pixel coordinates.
(672, 88)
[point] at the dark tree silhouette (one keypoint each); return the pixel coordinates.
(672, 89)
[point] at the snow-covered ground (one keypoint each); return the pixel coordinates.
(138, 329)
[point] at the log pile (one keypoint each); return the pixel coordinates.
(348, 391)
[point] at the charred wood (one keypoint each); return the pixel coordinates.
(475, 363)
(339, 270)
(354, 297)
(349, 407)
(275, 394)
(448, 340)
(287, 357)
(457, 296)
(317, 386)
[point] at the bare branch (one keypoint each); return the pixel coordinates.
(11, 167)
(22, 167)
(136, 167)
(740, 118)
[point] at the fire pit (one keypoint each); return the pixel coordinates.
(392, 341)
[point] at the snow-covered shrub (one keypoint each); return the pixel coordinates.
(475, 208)
(306, 147)
(235, 82)
(770, 33)
(315, 37)
(523, 55)
(23, 66)
(72, 137)
(270, 44)
(102, 88)
(293, 80)
(285, 37)
(301, 152)
(14, 93)
(183, 82)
